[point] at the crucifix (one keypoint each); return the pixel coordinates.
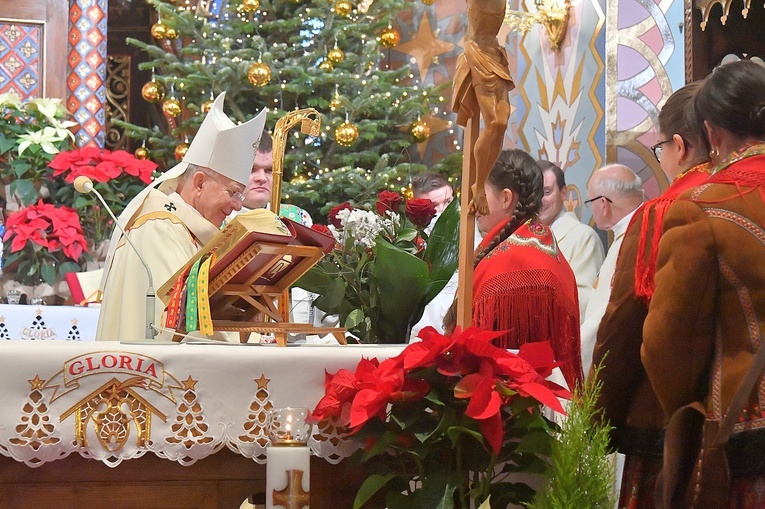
(481, 86)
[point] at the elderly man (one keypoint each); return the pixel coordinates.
(173, 218)
(614, 193)
(580, 245)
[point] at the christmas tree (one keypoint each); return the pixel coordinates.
(333, 56)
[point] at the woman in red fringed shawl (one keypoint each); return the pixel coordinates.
(521, 282)
(706, 318)
(626, 397)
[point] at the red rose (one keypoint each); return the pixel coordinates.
(332, 216)
(420, 211)
(388, 200)
(321, 228)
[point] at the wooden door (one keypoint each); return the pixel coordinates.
(33, 47)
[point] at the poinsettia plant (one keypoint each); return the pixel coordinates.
(118, 176)
(32, 132)
(43, 241)
(448, 421)
(385, 266)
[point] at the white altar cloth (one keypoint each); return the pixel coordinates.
(112, 402)
(65, 323)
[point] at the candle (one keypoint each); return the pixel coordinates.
(288, 459)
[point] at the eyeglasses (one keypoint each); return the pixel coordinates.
(235, 196)
(587, 202)
(656, 149)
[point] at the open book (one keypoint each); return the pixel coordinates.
(252, 262)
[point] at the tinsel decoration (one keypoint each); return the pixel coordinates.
(171, 107)
(419, 130)
(180, 150)
(343, 7)
(153, 91)
(336, 55)
(346, 134)
(390, 37)
(259, 74)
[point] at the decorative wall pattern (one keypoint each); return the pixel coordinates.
(87, 64)
(20, 57)
(645, 55)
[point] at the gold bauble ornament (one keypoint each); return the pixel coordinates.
(336, 55)
(159, 30)
(297, 180)
(171, 33)
(409, 193)
(326, 65)
(141, 153)
(207, 106)
(428, 2)
(250, 5)
(420, 131)
(346, 134)
(343, 7)
(153, 91)
(180, 150)
(390, 37)
(171, 107)
(335, 103)
(259, 74)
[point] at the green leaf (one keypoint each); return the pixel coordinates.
(48, 273)
(438, 491)
(354, 318)
(25, 189)
(442, 252)
(315, 280)
(401, 279)
(369, 487)
(330, 300)
(6, 143)
(67, 267)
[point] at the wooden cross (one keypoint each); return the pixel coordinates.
(292, 496)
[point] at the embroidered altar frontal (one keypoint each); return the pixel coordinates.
(181, 402)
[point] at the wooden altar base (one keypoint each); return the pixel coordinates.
(220, 481)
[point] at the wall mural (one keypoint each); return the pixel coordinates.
(645, 64)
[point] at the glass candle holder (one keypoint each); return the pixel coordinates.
(287, 427)
(13, 296)
(288, 459)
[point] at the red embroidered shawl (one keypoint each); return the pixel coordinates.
(524, 286)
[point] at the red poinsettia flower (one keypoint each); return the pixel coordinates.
(44, 224)
(388, 200)
(100, 165)
(322, 228)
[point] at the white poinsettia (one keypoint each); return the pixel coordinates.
(10, 100)
(62, 128)
(51, 108)
(45, 138)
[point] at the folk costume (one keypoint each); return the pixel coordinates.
(165, 230)
(706, 319)
(524, 286)
(583, 251)
(626, 397)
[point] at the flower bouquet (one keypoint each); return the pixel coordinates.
(385, 268)
(43, 241)
(448, 421)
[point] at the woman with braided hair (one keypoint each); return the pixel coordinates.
(521, 282)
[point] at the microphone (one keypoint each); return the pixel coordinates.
(84, 185)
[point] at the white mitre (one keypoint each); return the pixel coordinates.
(220, 145)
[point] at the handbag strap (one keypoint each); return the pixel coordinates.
(740, 398)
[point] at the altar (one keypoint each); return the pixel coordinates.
(35, 322)
(182, 425)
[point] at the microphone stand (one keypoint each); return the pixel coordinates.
(85, 185)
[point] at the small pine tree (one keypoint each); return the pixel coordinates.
(581, 473)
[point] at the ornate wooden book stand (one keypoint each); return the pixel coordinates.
(253, 270)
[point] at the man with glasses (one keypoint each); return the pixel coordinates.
(174, 217)
(614, 193)
(580, 245)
